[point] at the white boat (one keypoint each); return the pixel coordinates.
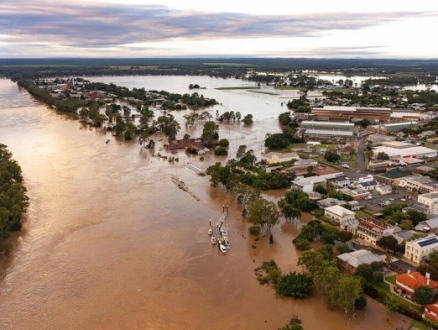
(223, 248)
(210, 232)
(213, 240)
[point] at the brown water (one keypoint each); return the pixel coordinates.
(111, 243)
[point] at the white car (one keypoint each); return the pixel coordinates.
(345, 165)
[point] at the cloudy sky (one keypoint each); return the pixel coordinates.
(175, 28)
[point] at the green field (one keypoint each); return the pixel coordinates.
(236, 87)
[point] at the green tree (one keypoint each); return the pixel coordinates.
(326, 279)
(342, 248)
(263, 213)
(290, 212)
(221, 151)
(424, 295)
(347, 291)
(294, 285)
(382, 156)
(416, 216)
(224, 143)
(332, 157)
(210, 133)
(247, 120)
(389, 243)
(392, 304)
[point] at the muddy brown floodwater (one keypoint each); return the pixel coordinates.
(111, 243)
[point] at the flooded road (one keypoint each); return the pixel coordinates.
(111, 243)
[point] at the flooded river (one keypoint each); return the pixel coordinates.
(111, 243)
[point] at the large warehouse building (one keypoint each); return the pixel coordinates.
(338, 113)
(406, 152)
(386, 129)
(324, 129)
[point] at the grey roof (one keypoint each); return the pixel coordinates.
(431, 223)
(359, 257)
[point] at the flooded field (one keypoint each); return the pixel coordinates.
(110, 242)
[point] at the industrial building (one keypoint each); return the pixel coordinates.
(406, 153)
(338, 113)
(392, 128)
(323, 130)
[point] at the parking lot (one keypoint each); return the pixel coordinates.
(375, 204)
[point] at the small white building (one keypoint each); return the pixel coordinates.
(368, 185)
(278, 157)
(352, 260)
(385, 189)
(341, 182)
(420, 248)
(339, 214)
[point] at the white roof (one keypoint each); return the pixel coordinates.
(339, 210)
(359, 257)
(341, 108)
(413, 151)
(328, 132)
(325, 123)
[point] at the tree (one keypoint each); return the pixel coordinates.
(424, 295)
(224, 143)
(263, 213)
(309, 170)
(247, 120)
(392, 304)
(221, 151)
(294, 324)
(332, 157)
(347, 291)
(369, 154)
(210, 133)
(290, 212)
(382, 156)
(320, 189)
(345, 236)
(326, 279)
(416, 216)
(294, 285)
(389, 243)
(342, 248)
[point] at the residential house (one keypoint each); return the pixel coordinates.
(352, 260)
(403, 235)
(368, 185)
(323, 203)
(407, 283)
(431, 312)
(341, 182)
(184, 143)
(419, 249)
(278, 157)
(356, 194)
(371, 230)
(430, 225)
(350, 225)
(355, 205)
(384, 189)
(339, 214)
(309, 183)
(345, 151)
(379, 165)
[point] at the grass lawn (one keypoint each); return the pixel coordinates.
(420, 326)
(237, 87)
(391, 279)
(340, 90)
(384, 287)
(364, 213)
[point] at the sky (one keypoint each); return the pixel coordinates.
(225, 28)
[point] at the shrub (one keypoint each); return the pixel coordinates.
(254, 231)
(294, 285)
(224, 143)
(301, 244)
(221, 151)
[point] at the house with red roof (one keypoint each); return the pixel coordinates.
(431, 312)
(407, 283)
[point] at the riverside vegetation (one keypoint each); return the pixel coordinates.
(13, 196)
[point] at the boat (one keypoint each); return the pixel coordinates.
(210, 232)
(213, 240)
(223, 248)
(107, 141)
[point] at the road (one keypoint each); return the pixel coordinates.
(361, 156)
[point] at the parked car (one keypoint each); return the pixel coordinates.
(345, 165)
(391, 199)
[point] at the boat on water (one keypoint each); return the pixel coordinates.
(213, 240)
(210, 232)
(223, 248)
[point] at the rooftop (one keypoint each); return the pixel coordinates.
(415, 280)
(325, 123)
(426, 241)
(359, 257)
(431, 195)
(413, 151)
(339, 210)
(369, 183)
(328, 132)
(281, 155)
(395, 173)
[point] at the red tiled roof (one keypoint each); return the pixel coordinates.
(433, 307)
(415, 280)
